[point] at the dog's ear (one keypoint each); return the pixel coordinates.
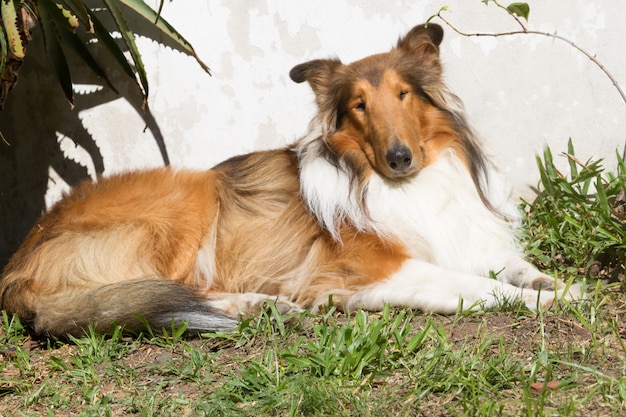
(423, 41)
(317, 72)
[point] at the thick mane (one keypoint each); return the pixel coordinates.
(478, 163)
(430, 86)
(333, 186)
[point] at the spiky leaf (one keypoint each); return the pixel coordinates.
(72, 21)
(53, 47)
(155, 18)
(72, 40)
(3, 51)
(9, 21)
(80, 11)
(66, 23)
(110, 44)
(129, 40)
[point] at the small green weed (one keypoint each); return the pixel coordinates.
(367, 344)
(577, 223)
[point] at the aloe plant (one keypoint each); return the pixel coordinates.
(72, 25)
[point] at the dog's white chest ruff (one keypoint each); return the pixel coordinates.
(442, 209)
(437, 215)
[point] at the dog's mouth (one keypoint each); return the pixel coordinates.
(401, 175)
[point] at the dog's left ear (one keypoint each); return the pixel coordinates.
(318, 73)
(423, 41)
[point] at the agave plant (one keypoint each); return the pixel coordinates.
(73, 25)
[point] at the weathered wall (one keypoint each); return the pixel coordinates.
(521, 92)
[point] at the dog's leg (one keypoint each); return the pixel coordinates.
(521, 273)
(431, 288)
(249, 303)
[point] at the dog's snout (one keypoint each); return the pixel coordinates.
(399, 158)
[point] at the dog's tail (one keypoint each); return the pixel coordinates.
(135, 304)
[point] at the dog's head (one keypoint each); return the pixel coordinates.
(386, 104)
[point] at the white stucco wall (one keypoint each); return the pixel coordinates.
(521, 92)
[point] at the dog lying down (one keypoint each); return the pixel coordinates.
(389, 198)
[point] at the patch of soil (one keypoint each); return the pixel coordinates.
(171, 368)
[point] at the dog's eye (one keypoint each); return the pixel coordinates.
(403, 94)
(360, 106)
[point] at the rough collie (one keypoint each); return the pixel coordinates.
(388, 199)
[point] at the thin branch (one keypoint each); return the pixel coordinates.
(525, 31)
(513, 15)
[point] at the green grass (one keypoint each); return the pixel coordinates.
(568, 361)
(579, 219)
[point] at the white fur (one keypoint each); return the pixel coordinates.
(240, 303)
(205, 263)
(441, 205)
(431, 288)
(455, 240)
(326, 189)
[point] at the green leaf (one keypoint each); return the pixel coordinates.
(129, 39)
(601, 197)
(80, 11)
(519, 9)
(543, 174)
(161, 3)
(73, 41)
(111, 45)
(622, 388)
(4, 51)
(55, 52)
(155, 18)
(9, 21)
(572, 164)
(63, 19)
(69, 18)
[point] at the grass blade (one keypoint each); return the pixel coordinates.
(572, 165)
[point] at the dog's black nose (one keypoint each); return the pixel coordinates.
(399, 158)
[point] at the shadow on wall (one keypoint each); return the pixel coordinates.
(35, 112)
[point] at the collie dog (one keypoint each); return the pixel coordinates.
(388, 199)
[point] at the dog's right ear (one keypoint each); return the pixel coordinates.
(423, 42)
(318, 73)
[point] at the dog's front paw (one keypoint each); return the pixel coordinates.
(286, 306)
(543, 297)
(546, 283)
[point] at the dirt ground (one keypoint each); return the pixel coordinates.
(523, 335)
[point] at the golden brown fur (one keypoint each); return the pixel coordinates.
(151, 224)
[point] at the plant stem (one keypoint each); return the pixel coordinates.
(525, 31)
